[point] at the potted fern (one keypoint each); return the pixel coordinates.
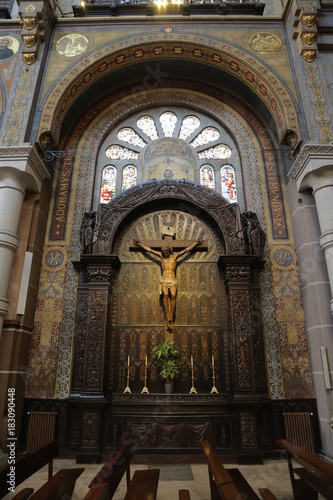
(166, 354)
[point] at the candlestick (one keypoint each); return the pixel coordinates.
(145, 389)
(193, 389)
(127, 388)
(214, 390)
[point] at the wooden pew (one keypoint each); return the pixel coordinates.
(29, 463)
(114, 469)
(23, 494)
(60, 485)
(267, 494)
(313, 477)
(221, 483)
(184, 495)
(143, 485)
(98, 492)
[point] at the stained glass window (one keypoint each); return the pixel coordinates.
(208, 134)
(116, 152)
(207, 176)
(147, 125)
(168, 121)
(189, 125)
(108, 188)
(228, 183)
(219, 152)
(130, 175)
(129, 135)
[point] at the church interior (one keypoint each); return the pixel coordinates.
(166, 228)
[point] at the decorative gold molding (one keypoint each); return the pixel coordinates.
(308, 55)
(305, 29)
(309, 38)
(33, 27)
(29, 58)
(29, 40)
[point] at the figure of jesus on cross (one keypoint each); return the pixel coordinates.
(168, 282)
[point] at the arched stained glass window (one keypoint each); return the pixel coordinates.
(168, 121)
(208, 134)
(108, 187)
(130, 175)
(189, 125)
(147, 125)
(207, 176)
(127, 134)
(116, 152)
(228, 183)
(219, 152)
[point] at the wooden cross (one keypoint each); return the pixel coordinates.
(168, 239)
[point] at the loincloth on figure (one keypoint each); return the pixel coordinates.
(168, 283)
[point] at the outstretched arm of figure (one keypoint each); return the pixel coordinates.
(147, 249)
(190, 248)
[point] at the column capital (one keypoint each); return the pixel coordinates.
(313, 167)
(25, 165)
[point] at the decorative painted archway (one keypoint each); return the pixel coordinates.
(270, 90)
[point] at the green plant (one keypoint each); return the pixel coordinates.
(166, 354)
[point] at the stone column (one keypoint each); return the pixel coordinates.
(313, 169)
(20, 169)
(312, 217)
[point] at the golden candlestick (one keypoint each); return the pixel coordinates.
(127, 389)
(145, 389)
(193, 389)
(214, 390)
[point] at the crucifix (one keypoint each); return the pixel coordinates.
(164, 249)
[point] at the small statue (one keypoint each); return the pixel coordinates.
(87, 232)
(254, 236)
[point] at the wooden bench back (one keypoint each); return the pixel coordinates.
(315, 465)
(28, 464)
(226, 488)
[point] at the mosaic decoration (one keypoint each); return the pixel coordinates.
(72, 45)
(189, 125)
(161, 160)
(43, 363)
(233, 59)
(207, 176)
(109, 179)
(209, 134)
(116, 152)
(265, 42)
(319, 103)
(147, 125)
(219, 152)
(228, 182)
(9, 46)
(168, 121)
(130, 175)
(295, 357)
(129, 135)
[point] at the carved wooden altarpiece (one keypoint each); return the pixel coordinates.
(218, 313)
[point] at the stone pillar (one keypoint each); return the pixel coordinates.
(20, 169)
(312, 218)
(313, 170)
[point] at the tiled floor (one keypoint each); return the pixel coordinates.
(273, 474)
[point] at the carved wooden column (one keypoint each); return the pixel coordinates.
(91, 337)
(245, 341)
